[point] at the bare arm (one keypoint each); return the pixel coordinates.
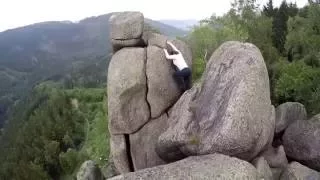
(173, 47)
(167, 54)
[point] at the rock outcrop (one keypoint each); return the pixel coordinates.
(301, 142)
(141, 89)
(214, 166)
(211, 131)
(89, 171)
(231, 113)
(299, 172)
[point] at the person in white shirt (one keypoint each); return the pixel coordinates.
(183, 72)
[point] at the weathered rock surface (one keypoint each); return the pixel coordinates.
(89, 171)
(143, 144)
(287, 113)
(119, 151)
(163, 90)
(158, 40)
(214, 166)
(301, 142)
(127, 88)
(263, 168)
(126, 27)
(276, 157)
(296, 171)
(231, 113)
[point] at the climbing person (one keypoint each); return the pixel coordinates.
(183, 72)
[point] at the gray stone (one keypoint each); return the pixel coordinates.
(119, 151)
(287, 113)
(163, 90)
(143, 143)
(89, 171)
(276, 157)
(158, 40)
(127, 88)
(301, 142)
(126, 25)
(296, 171)
(214, 166)
(263, 168)
(231, 113)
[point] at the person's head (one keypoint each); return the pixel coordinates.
(174, 52)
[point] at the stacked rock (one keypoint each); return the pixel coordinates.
(141, 89)
(224, 127)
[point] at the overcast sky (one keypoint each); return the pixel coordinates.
(15, 13)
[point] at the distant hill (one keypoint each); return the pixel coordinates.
(49, 50)
(181, 24)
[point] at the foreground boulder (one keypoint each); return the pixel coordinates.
(299, 172)
(214, 166)
(126, 29)
(127, 90)
(301, 142)
(229, 113)
(288, 113)
(89, 171)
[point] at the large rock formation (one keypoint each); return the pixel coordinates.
(141, 89)
(301, 142)
(231, 113)
(214, 166)
(228, 112)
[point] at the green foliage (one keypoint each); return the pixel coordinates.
(289, 40)
(198, 68)
(299, 82)
(54, 136)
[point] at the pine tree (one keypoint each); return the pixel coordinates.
(268, 9)
(279, 27)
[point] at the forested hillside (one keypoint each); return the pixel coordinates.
(56, 50)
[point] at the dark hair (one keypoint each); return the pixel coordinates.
(174, 52)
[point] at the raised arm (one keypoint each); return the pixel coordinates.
(167, 54)
(173, 47)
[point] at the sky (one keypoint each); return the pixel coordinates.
(16, 13)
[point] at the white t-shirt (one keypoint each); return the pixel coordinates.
(177, 59)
